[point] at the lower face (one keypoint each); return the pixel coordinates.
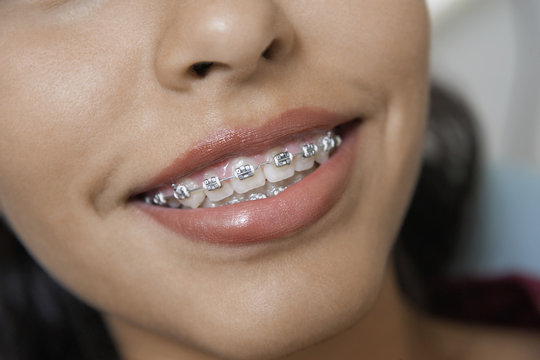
(98, 114)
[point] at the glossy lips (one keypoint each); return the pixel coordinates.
(256, 221)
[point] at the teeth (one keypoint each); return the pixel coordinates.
(280, 167)
(159, 199)
(193, 199)
(302, 164)
(181, 192)
(338, 140)
(321, 157)
(247, 177)
(212, 183)
(214, 189)
(307, 159)
(328, 144)
(248, 180)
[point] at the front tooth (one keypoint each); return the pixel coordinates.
(246, 178)
(194, 198)
(215, 189)
(280, 167)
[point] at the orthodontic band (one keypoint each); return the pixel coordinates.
(181, 192)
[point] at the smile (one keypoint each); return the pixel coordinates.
(296, 173)
(250, 179)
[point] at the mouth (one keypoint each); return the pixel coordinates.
(254, 185)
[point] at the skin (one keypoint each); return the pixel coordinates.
(96, 95)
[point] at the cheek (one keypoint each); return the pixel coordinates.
(59, 97)
(44, 120)
(383, 42)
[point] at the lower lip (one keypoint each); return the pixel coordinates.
(259, 221)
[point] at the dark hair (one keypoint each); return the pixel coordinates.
(40, 320)
(444, 196)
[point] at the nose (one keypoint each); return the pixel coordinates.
(230, 40)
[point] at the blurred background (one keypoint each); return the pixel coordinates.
(488, 52)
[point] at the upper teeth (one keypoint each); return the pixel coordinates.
(309, 150)
(244, 171)
(210, 184)
(283, 158)
(279, 165)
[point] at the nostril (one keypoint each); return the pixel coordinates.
(270, 50)
(201, 68)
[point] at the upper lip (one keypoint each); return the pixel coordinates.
(227, 143)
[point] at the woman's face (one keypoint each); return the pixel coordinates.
(101, 106)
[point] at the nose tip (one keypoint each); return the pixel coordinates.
(232, 38)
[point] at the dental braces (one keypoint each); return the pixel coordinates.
(308, 150)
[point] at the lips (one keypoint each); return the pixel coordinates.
(299, 206)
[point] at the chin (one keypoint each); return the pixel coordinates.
(285, 333)
(277, 318)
